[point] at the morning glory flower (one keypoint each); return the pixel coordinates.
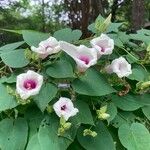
(28, 84)
(47, 47)
(84, 57)
(119, 66)
(64, 108)
(103, 44)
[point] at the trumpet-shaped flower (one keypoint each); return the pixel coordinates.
(28, 84)
(103, 44)
(64, 108)
(47, 47)
(119, 66)
(83, 56)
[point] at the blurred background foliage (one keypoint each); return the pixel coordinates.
(51, 15)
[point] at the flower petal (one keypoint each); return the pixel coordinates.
(103, 44)
(23, 78)
(120, 66)
(83, 56)
(64, 108)
(47, 47)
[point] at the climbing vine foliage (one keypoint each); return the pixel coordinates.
(61, 92)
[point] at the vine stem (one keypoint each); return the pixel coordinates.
(129, 53)
(134, 58)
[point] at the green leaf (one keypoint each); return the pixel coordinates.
(46, 94)
(68, 35)
(116, 39)
(6, 101)
(134, 137)
(13, 134)
(33, 143)
(138, 73)
(132, 58)
(112, 111)
(123, 37)
(92, 83)
(10, 47)
(14, 59)
(84, 116)
(140, 37)
(114, 27)
(144, 31)
(60, 69)
(75, 146)
(146, 111)
(10, 79)
(127, 102)
(91, 27)
(144, 99)
(49, 139)
(34, 117)
(103, 140)
(33, 38)
(122, 118)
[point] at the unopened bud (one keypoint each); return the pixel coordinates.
(61, 131)
(89, 132)
(67, 126)
(143, 86)
(148, 48)
(103, 116)
(103, 25)
(102, 113)
(62, 121)
(49, 109)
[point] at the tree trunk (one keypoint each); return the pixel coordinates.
(85, 16)
(114, 9)
(138, 12)
(96, 9)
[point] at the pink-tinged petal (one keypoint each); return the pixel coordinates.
(43, 56)
(85, 59)
(120, 66)
(28, 84)
(47, 47)
(83, 56)
(64, 108)
(103, 44)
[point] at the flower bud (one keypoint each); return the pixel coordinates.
(102, 26)
(67, 126)
(143, 86)
(49, 109)
(89, 132)
(61, 131)
(148, 48)
(102, 113)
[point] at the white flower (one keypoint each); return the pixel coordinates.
(47, 47)
(28, 84)
(83, 56)
(64, 108)
(103, 44)
(119, 66)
